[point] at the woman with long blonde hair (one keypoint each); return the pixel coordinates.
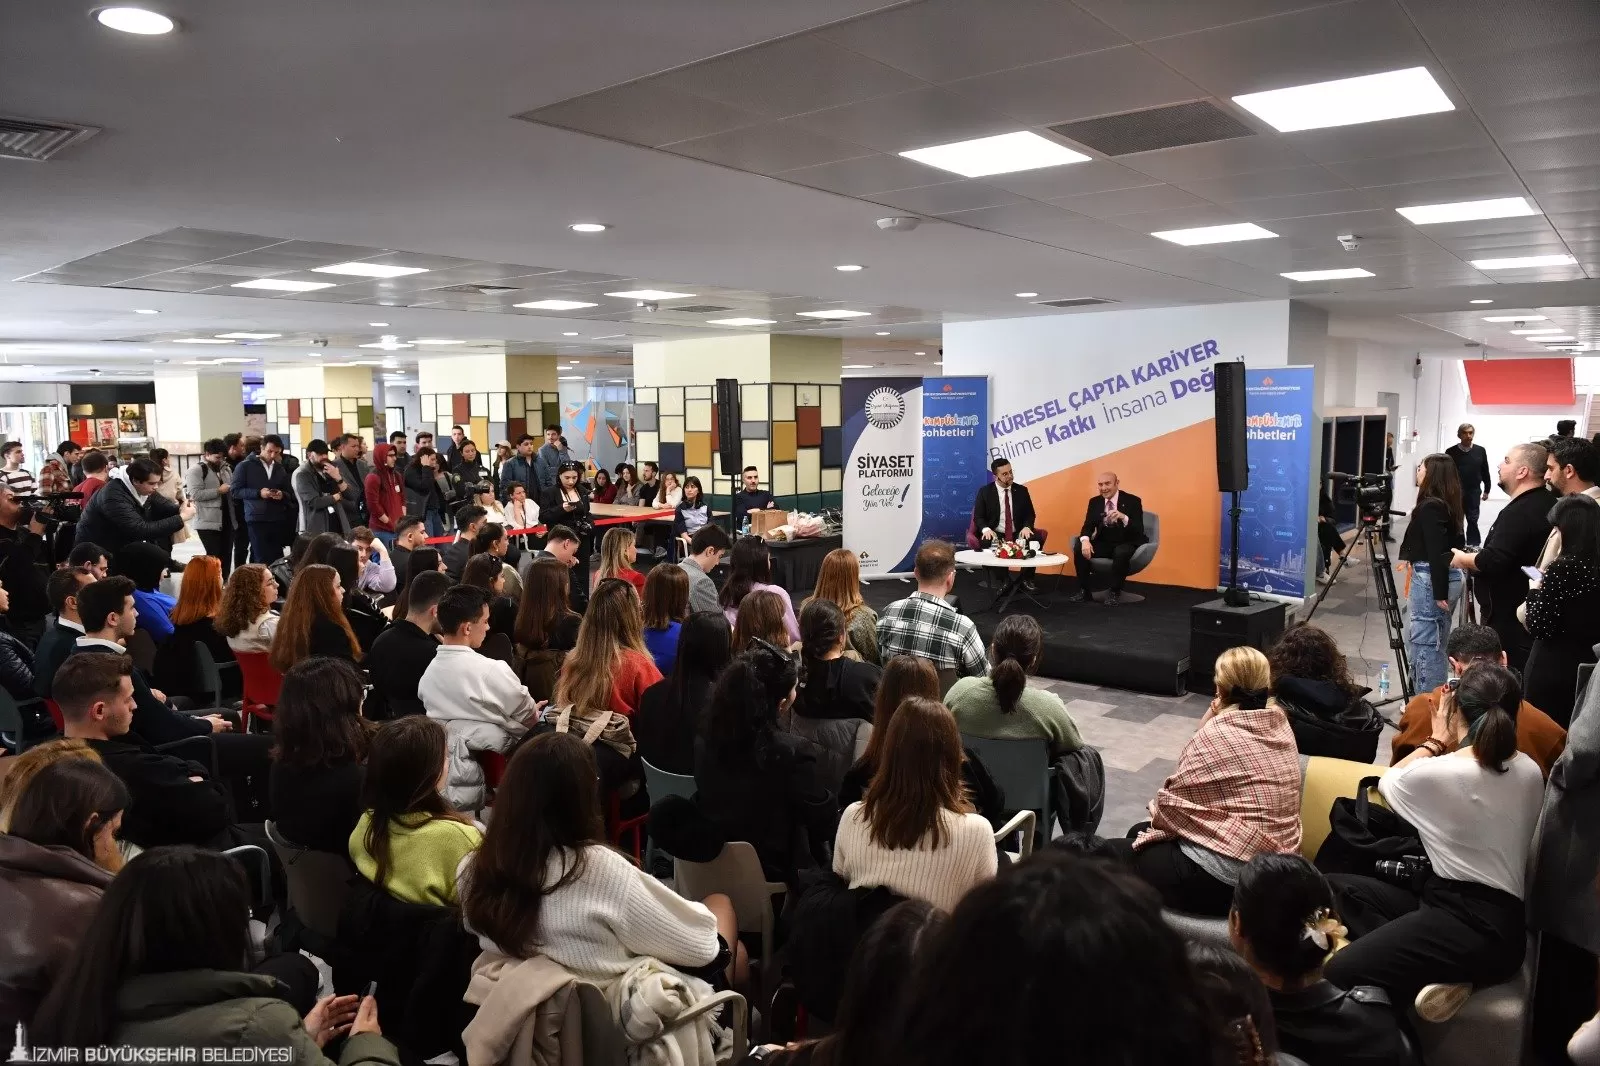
(246, 618)
(610, 667)
(618, 553)
(839, 582)
(313, 621)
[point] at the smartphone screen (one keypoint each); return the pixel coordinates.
(1532, 572)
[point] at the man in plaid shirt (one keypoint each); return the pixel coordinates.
(925, 625)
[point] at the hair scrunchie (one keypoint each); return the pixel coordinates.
(1250, 699)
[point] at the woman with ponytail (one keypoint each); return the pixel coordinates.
(1283, 924)
(1002, 706)
(1234, 795)
(1458, 921)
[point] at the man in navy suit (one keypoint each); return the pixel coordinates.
(1112, 527)
(262, 484)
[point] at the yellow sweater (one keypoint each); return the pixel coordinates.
(423, 856)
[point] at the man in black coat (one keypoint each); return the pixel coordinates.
(61, 639)
(1472, 463)
(1113, 526)
(1514, 541)
(1003, 511)
(130, 509)
(263, 485)
(402, 652)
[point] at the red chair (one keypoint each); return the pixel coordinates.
(55, 715)
(494, 771)
(261, 685)
(616, 827)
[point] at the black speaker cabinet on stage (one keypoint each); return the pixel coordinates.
(1214, 627)
(729, 446)
(1233, 467)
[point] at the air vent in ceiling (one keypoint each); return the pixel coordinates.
(1158, 127)
(698, 309)
(22, 138)
(478, 290)
(1075, 301)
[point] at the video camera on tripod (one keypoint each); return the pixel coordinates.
(1372, 494)
(53, 508)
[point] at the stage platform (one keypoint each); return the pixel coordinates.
(1140, 646)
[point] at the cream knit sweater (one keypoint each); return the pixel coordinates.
(940, 876)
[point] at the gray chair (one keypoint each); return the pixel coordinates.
(1022, 770)
(208, 674)
(11, 719)
(1143, 555)
(660, 784)
(318, 881)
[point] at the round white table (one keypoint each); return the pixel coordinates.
(1008, 591)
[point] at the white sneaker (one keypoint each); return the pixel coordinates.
(1439, 1003)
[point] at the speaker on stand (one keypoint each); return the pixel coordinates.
(730, 446)
(1233, 463)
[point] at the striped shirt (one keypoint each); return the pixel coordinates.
(20, 481)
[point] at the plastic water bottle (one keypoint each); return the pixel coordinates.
(1383, 683)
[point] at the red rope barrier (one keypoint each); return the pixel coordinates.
(540, 530)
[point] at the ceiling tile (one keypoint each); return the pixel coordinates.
(1264, 183)
(1449, 191)
(908, 120)
(1140, 200)
(1457, 30)
(1029, 220)
(1145, 20)
(1216, 159)
(768, 149)
(868, 174)
(1556, 152)
(1202, 214)
(1578, 113)
(1337, 201)
(1048, 183)
(1320, 230)
(1108, 82)
(946, 198)
(1429, 166)
(1334, 41)
(789, 77)
(1442, 132)
(645, 112)
(942, 40)
(1527, 76)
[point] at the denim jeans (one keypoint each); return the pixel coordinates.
(387, 538)
(435, 523)
(1429, 628)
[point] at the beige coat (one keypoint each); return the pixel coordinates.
(532, 1012)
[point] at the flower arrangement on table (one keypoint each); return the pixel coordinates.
(1011, 549)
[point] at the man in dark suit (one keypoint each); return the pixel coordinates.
(270, 509)
(1003, 511)
(1472, 463)
(1113, 527)
(60, 640)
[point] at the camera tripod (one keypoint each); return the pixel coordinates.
(1370, 535)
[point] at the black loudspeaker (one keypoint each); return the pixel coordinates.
(1215, 627)
(1233, 465)
(729, 445)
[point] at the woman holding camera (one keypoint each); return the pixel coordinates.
(1435, 589)
(1457, 921)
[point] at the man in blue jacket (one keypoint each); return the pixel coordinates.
(551, 456)
(521, 469)
(263, 485)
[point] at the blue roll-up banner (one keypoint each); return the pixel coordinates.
(955, 454)
(1275, 521)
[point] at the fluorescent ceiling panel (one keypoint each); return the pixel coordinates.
(1524, 262)
(1242, 231)
(369, 270)
(1536, 332)
(649, 294)
(1327, 275)
(741, 322)
(1468, 210)
(282, 285)
(1348, 101)
(555, 305)
(437, 340)
(1515, 318)
(201, 340)
(1559, 337)
(838, 313)
(242, 336)
(1006, 153)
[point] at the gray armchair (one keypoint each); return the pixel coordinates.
(1142, 556)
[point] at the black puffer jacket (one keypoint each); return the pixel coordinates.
(1328, 721)
(16, 667)
(114, 518)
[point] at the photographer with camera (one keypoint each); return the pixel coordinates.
(23, 565)
(1460, 922)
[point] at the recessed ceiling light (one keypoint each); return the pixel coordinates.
(437, 340)
(134, 20)
(1566, 348)
(1241, 231)
(145, 311)
(387, 346)
(569, 334)
(1515, 318)
(588, 227)
(881, 333)
(233, 360)
(1327, 275)
(1536, 332)
(282, 285)
(835, 313)
(574, 362)
(377, 323)
(919, 353)
(571, 377)
(1481, 301)
(649, 294)
(1026, 295)
(1561, 337)
(1348, 101)
(200, 340)
(368, 270)
(857, 366)
(1468, 210)
(201, 362)
(1523, 261)
(1002, 154)
(242, 336)
(741, 321)
(555, 305)
(849, 268)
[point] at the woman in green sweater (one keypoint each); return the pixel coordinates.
(1001, 706)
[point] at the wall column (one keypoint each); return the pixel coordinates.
(193, 408)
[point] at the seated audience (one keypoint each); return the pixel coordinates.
(1463, 924)
(671, 492)
(705, 552)
(668, 718)
(627, 486)
(925, 624)
(915, 833)
(750, 570)
(360, 608)
(319, 743)
(521, 512)
(1564, 609)
(903, 677)
(1238, 1001)
(23, 768)
(666, 604)
(1284, 925)
(546, 628)
(16, 659)
(193, 622)
(760, 618)
(403, 652)
(605, 490)
(60, 639)
(409, 841)
(834, 707)
(486, 573)
(755, 781)
(246, 619)
(167, 962)
(1234, 795)
(376, 576)
(546, 883)
(314, 621)
(618, 552)
(172, 800)
(1538, 737)
(57, 856)
(839, 582)
(319, 550)
(493, 540)
(609, 667)
(1003, 705)
(1058, 944)
(469, 520)
(410, 534)
(284, 569)
(479, 701)
(422, 561)
(1327, 710)
(691, 511)
(146, 565)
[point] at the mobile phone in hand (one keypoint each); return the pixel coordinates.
(1532, 572)
(372, 989)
